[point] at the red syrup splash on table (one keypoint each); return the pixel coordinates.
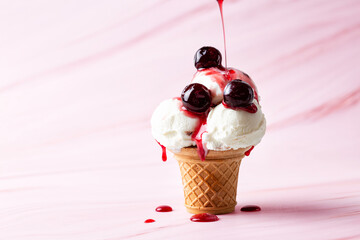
(204, 217)
(250, 109)
(250, 208)
(163, 148)
(164, 208)
(247, 153)
(149, 220)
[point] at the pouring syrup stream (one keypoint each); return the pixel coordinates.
(220, 2)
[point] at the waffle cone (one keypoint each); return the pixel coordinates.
(210, 186)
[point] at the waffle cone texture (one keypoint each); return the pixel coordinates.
(210, 186)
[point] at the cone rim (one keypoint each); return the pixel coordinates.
(191, 152)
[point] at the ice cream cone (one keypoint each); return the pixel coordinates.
(210, 186)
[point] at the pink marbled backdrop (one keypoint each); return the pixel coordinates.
(80, 79)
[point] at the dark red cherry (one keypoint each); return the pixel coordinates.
(196, 98)
(238, 93)
(207, 57)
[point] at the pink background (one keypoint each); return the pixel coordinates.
(80, 79)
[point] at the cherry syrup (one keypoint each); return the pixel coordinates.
(250, 208)
(196, 136)
(164, 156)
(204, 217)
(149, 220)
(220, 2)
(250, 109)
(217, 74)
(164, 208)
(247, 153)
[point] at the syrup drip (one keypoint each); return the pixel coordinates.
(247, 153)
(217, 76)
(220, 2)
(204, 217)
(250, 109)
(164, 208)
(250, 208)
(201, 128)
(149, 220)
(163, 148)
(196, 136)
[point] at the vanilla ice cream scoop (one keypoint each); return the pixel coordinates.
(233, 129)
(171, 126)
(214, 80)
(219, 110)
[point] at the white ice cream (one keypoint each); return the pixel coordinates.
(233, 129)
(171, 127)
(214, 80)
(226, 128)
